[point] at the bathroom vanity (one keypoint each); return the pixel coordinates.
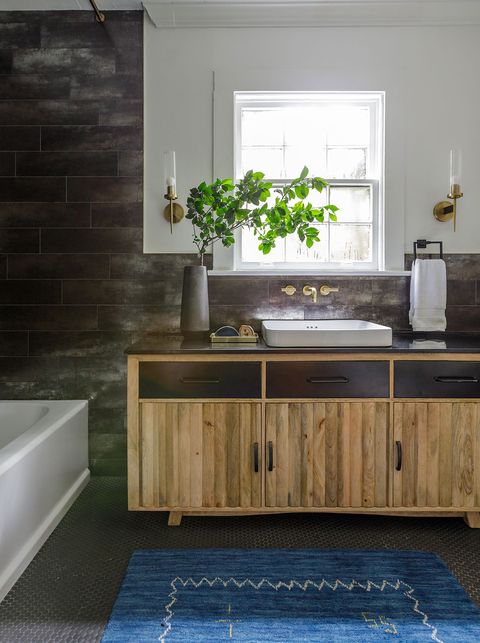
(232, 430)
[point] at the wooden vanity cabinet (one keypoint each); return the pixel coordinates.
(437, 455)
(196, 455)
(265, 433)
(326, 454)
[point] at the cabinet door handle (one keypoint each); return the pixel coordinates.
(456, 379)
(270, 456)
(200, 380)
(328, 380)
(398, 464)
(255, 457)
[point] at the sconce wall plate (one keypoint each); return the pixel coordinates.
(173, 213)
(443, 211)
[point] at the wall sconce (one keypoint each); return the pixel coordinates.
(173, 211)
(446, 210)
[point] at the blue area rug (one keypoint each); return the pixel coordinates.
(290, 595)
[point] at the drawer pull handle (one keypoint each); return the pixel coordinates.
(328, 380)
(200, 380)
(453, 379)
(398, 464)
(255, 457)
(270, 456)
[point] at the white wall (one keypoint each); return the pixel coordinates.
(432, 81)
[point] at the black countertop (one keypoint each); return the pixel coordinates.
(402, 343)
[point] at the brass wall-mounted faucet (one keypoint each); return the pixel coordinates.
(310, 291)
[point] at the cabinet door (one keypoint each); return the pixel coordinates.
(331, 454)
(437, 454)
(195, 455)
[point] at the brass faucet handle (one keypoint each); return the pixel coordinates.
(326, 290)
(289, 290)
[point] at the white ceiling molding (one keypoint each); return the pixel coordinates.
(322, 13)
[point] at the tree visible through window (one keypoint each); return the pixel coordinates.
(339, 136)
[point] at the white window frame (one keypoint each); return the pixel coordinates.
(375, 101)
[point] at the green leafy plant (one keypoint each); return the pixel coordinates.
(217, 209)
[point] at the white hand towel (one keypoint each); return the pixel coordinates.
(428, 295)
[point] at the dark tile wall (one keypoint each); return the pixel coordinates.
(75, 288)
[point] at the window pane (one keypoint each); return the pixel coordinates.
(348, 125)
(263, 159)
(305, 125)
(354, 203)
(349, 243)
(250, 251)
(299, 156)
(347, 163)
(298, 252)
(262, 127)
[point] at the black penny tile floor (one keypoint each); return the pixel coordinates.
(67, 592)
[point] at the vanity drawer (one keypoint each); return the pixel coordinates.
(437, 379)
(199, 379)
(327, 379)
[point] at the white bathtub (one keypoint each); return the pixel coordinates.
(43, 468)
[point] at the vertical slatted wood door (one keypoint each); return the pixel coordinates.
(440, 454)
(332, 454)
(196, 455)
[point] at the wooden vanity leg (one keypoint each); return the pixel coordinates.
(174, 518)
(472, 518)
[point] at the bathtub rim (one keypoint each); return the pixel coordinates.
(59, 411)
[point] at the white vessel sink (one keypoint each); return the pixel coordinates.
(325, 332)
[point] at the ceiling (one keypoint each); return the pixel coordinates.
(116, 5)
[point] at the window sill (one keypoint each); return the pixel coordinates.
(310, 273)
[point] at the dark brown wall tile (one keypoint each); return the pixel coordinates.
(17, 35)
(3, 266)
(117, 215)
(45, 189)
(113, 87)
(153, 266)
(40, 317)
(44, 215)
(65, 61)
(105, 189)
(18, 240)
(463, 318)
(242, 290)
(30, 292)
(130, 164)
(58, 266)
(140, 318)
(92, 343)
(121, 292)
(35, 370)
(460, 292)
(7, 164)
(78, 137)
(391, 291)
(49, 112)
(101, 240)
(253, 315)
(6, 61)
(74, 34)
(13, 343)
(34, 86)
(14, 138)
(67, 163)
(121, 113)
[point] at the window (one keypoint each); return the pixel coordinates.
(339, 136)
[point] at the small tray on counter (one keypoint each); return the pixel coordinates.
(234, 339)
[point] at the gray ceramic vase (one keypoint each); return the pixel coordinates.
(195, 315)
